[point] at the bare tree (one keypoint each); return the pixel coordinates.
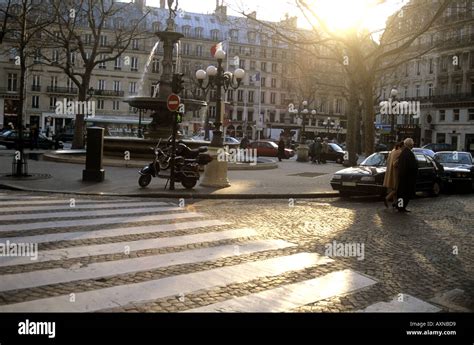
(80, 29)
(24, 23)
(4, 17)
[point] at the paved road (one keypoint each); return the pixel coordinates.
(100, 254)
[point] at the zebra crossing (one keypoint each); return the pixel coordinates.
(86, 243)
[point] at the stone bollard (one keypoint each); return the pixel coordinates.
(94, 155)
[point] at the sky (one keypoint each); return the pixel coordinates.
(338, 13)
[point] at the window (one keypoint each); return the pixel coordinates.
(134, 66)
(273, 98)
(262, 97)
(103, 40)
(100, 104)
(444, 63)
(37, 56)
(102, 65)
(101, 84)
(431, 66)
(132, 87)
(430, 90)
(252, 65)
(116, 105)
(274, 83)
(35, 102)
(457, 86)
(230, 95)
(263, 81)
(242, 63)
(55, 56)
(274, 67)
(88, 39)
(471, 114)
(418, 67)
(118, 63)
(274, 54)
(240, 95)
(155, 66)
(186, 49)
(283, 98)
(54, 81)
(215, 35)
(251, 96)
(36, 83)
(442, 115)
(198, 50)
(455, 114)
(263, 53)
(69, 84)
(135, 45)
(52, 102)
(186, 31)
(117, 85)
(338, 106)
(417, 91)
(198, 32)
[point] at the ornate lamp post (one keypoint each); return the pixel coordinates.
(215, 174)
(301, 112)
(328, 124)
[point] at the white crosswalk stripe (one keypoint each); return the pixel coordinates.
(91, 262)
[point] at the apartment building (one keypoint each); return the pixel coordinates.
(260, 104)
(442, 79)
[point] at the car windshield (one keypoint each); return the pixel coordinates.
(375, 160)
(454, 157)
(336, 147)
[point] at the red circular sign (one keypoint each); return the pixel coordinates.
(173, 102)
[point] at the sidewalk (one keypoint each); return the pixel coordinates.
(290, 179)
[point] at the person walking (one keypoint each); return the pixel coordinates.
(317, 151)
(244, 143)
(390, 180)
(281, 149)
(324, 150)
(407, 173)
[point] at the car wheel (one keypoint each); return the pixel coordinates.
(435, 189)
(344, 194)
(339, 160)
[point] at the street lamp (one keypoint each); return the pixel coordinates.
(216, 172)
(301, 112)
(328, 124)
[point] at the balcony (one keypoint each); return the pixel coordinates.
(5, 93)
(109, 93)
(62, 90)
(458, 97)
(36, 88)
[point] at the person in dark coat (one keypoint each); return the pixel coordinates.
(244, 143)
(407, 172)
(281, 149)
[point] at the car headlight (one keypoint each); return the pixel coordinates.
(368, 178)
(336, 177)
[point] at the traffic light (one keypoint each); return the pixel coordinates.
(179, 118)
(177, 83)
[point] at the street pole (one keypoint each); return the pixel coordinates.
(173, 151)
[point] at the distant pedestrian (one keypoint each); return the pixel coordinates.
(316, 154)
(391, 174)
(244, 143)
(281, 149)
(34, 135)
(324, 151)
(407, 173)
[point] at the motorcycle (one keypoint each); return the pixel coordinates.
(187, 162)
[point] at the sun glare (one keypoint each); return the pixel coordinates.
(341, 15)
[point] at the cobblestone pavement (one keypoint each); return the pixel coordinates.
(263, 255)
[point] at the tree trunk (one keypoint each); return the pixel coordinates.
(368, 119)
(352, 127)
(19, 166)
(78, 140)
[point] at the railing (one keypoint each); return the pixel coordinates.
(5, 92)
(35, 87)
(59, 89)
(110, 93)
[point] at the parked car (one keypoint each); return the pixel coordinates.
(64, 136)
(427, 152)
(8, 139)
(231, 140)
(367, 178)
(269, 149)
(335, 153)
(458, 168)
(438, 147)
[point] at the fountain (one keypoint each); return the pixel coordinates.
(161, 125)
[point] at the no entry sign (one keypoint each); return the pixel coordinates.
(173, 102)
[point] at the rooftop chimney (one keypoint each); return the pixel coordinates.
(162, 3)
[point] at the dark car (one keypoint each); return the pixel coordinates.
(335, 153)
(458, 168)
(367, 178)
(269, 149)
(9, 139)
(438, 147)
(64, 136)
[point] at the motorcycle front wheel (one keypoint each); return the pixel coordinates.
(188, 182)
(144, 180)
